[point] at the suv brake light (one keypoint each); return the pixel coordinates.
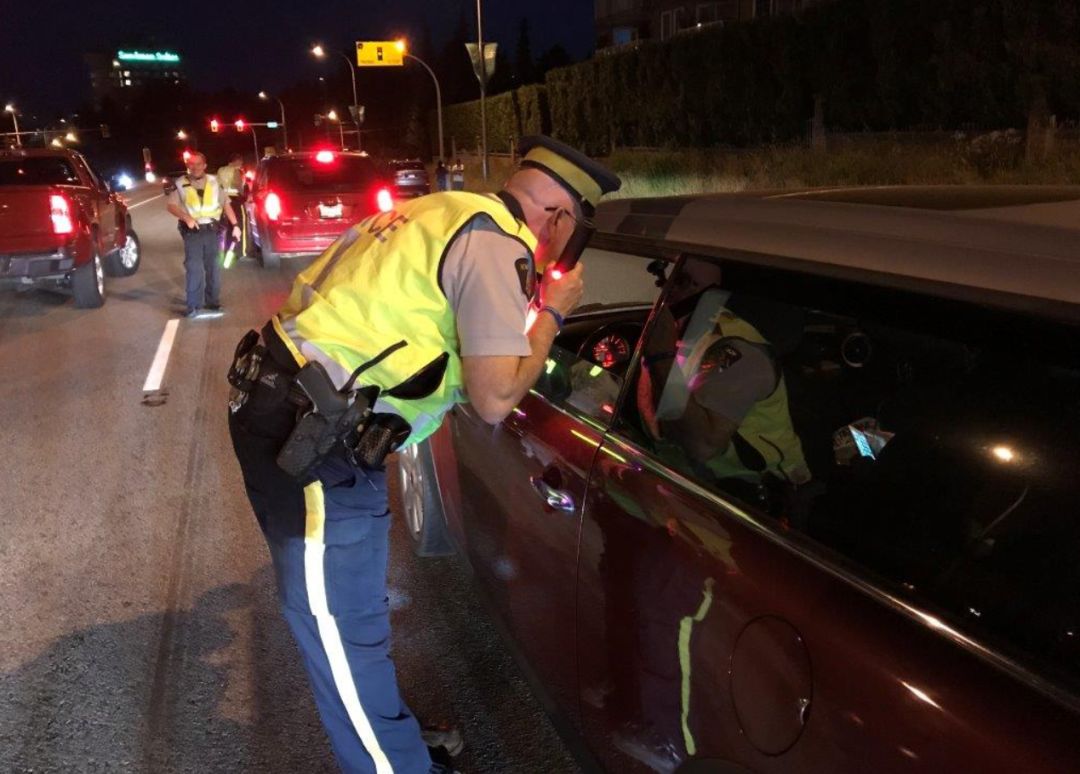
(272, 206)
(384, 200)
(60, 211)
(324, 157)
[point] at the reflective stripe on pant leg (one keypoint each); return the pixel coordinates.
(686, 629)
(315, 581)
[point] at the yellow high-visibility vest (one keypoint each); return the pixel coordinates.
(379, 285)
(205, 207)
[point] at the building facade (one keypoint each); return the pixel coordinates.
(622, 22)
(122, 73)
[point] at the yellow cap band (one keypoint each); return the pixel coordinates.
(575, 176)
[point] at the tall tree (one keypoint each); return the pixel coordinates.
(524, 67)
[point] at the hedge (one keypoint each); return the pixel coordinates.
(877, 65)
(511, 114)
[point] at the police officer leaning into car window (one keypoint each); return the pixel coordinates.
(406, 314)
(198, 203)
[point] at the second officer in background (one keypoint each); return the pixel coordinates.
(198, 203)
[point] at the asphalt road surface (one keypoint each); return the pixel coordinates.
(138, 624)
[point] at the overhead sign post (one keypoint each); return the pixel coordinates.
(380, 53)
(484, 68)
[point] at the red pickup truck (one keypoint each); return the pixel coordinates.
(61, 227)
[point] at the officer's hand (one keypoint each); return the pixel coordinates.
(563, 294)
(236, 232)
(190, 222)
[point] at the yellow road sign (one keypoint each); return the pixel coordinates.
(380, 53)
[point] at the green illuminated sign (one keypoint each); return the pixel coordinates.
(147, 56)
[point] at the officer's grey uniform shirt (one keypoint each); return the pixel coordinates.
(483, 280)
(733, 391)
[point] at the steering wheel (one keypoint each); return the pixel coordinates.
(611, 346)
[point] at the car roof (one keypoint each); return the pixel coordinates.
(304, 155)
(1017, 246)
(19, 153)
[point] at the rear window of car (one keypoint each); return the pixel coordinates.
(37, 171)
(343, 173)
(402, 166)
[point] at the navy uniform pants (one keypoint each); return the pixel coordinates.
(201, 268)
(329, 545)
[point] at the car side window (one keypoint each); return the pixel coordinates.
(928, 444)
(588, 362)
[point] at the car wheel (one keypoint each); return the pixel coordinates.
(268, 258)
(125, 261)
(88, 283)
(420, 500)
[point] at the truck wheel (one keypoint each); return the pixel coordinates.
(125, 261)
(269, 259)
(88, 283)
(420, 498)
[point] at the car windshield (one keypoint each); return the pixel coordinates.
(42, 170)
(342, 173)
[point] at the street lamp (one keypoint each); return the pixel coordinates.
(181, 135)
(320, 53)
(401, 46)
(333, 116)
(9, 108)
(284, 131)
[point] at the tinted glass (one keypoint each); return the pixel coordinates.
(37, 171)
(344, 173)
(932, 443)
(588, 362)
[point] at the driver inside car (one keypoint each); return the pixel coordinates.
(712, 390)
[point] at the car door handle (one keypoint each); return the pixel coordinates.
(555, 498)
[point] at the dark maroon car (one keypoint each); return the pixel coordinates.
(299, 203)
(799, 490)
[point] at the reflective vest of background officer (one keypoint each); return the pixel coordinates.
(441, 288)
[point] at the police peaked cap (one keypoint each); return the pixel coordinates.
(584, 179)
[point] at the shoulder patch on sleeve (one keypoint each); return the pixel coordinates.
(526, 276)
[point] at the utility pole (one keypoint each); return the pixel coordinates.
(483, 90)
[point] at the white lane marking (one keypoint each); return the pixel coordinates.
(145, 201)
(161, 359)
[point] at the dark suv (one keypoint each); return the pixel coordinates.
(301, 202)
(798, 490)
(410, 178)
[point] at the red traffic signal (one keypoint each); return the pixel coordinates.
(215, 125)
(239, 124)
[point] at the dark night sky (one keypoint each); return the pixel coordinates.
(246, 44)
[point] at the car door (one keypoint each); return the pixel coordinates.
(521, 483)
(908, 602)
(103, 203)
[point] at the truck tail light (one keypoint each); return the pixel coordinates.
(272, 206)
(60, 211)
(384, 200)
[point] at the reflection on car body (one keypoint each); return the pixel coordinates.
(824, 516)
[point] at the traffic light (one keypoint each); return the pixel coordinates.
(239, 124)
(105, 131)
(215, 125)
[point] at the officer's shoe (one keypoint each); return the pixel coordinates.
(440, 761)
(444, 737)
